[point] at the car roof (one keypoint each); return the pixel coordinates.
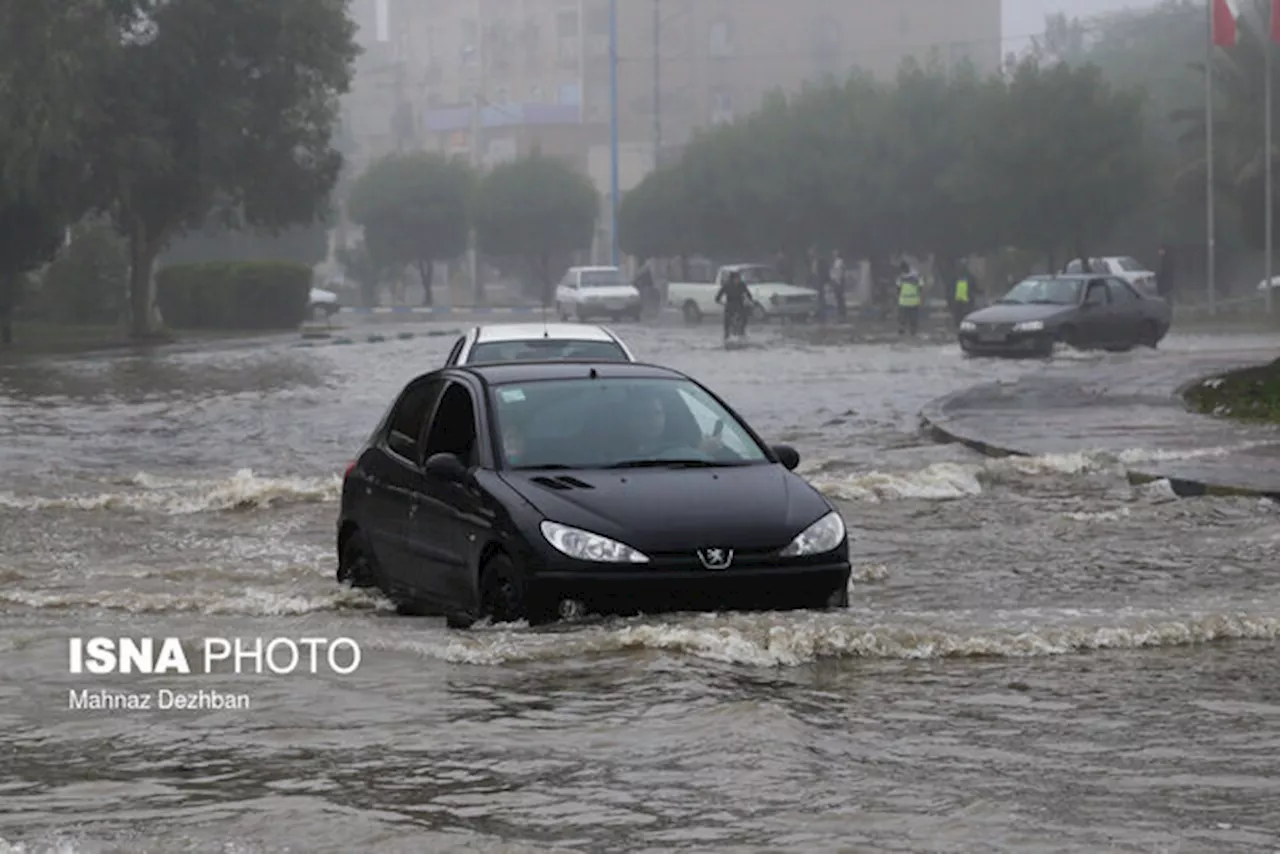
(605, 269)
(747, 266)
(516, 372)
(529, 331)
(1066, 276)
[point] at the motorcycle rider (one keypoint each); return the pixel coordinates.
(735, 296)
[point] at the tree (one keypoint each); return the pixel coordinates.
(655, 219)
(1062, 188)
(307, 244)
(29, 236)
(217, 104)
(538, 209)
(415, 209)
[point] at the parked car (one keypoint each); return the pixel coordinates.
(1122, 267)
(587, 292)
(538, 342)
(504, 491)
(1081, 311)
(696, 300)
(322, 304)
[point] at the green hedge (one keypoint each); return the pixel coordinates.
(230, 295)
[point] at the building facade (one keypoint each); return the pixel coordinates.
(495, 79)
(682, 64)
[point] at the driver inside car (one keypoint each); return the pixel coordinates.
(647, 424)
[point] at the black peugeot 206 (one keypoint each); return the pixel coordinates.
(508, 491)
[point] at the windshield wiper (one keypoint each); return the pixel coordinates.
(1008, 302)
(551, 467)
(1044, 302)
(673, 464)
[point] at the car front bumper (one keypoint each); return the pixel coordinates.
(1010, 344)
(609, 306)
(666, 587)
(800, 308)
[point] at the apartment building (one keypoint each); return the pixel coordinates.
(494, 79)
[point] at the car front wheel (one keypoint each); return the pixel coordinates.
(506, 598)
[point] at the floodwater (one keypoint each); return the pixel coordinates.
(1038, 657)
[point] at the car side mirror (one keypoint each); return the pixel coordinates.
(446, 467)
(787, 455)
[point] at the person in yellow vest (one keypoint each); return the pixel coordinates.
(910, 297)
(962, 297)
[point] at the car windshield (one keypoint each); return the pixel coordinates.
(617, 423)
(602, 278)
(1044, 291)
(1129, 265)
(546, 350)
(758, 275)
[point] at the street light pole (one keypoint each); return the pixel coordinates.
(657, 83)
(613, 130)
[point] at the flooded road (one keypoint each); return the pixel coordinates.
(1038, 657)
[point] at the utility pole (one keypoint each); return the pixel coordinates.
(657, 83)
(477, 152)
(613, 129)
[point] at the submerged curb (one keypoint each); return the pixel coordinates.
(331, 338)
(936, 423)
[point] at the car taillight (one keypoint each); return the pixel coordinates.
(351, 466)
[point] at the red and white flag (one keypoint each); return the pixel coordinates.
(1226, 22)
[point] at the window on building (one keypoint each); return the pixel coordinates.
(721, 39)
(567, 36)
(598, 19)
(721, 106)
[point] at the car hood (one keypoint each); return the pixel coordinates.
(1018, 313)
(671, 510)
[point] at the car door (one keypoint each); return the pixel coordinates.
(446, 517)
(1096, 321)
(567, 290)
(1126, 308)
(390, 497)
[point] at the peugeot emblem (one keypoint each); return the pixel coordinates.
(716, 558)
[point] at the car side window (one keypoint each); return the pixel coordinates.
(456, 351)
(1097, 293)
(410, 416)
(1121, 292)
(453, 427)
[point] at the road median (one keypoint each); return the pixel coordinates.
(1130, 408)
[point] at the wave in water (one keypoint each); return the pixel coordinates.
(243, 490)
(774, 640)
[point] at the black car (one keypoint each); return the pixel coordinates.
(1082, 311)
(504, 491)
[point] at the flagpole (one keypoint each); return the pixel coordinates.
(1270, 214)
(1208, 133)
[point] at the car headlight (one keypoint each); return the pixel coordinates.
(824, 535)
(1029, 326)
(968, 326)
(584, 545)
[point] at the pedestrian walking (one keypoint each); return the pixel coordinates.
(910, 298)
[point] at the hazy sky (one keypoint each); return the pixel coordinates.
(1025, 17)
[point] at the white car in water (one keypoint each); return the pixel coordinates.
(538, 342)
(587, 292)
(322, 304)
(696, 300)
(1122, 267)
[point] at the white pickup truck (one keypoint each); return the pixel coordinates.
(696, 300)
